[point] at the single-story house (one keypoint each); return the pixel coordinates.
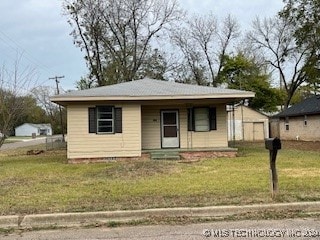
(124, 119)
(300, 121)
(30, 129)
(245, 123)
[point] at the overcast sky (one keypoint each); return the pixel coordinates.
(36, 31)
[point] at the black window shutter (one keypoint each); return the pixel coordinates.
(213, 118)
(92, 120)
(118, 120)
(191, 123)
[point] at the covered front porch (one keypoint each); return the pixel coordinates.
(185, 130)
(184, 125)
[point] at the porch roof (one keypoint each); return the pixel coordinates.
(150, 89)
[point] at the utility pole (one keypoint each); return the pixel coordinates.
(56, 78)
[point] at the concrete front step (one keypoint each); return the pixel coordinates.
(165, 156)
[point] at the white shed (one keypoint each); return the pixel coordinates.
(28, 129)
(245, 123)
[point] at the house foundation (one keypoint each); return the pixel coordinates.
(183, 154)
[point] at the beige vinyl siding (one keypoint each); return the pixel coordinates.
(82, 144)
(248, 114)
(151, 138)
(250, 125)
(297, 129)
(213, 138)
(151, 131)
(151, 125)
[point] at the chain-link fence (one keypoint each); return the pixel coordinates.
(55, 142)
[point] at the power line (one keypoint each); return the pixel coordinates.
(15, 46)
(56, 78)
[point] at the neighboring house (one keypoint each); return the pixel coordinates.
(245, 123)
(300, 122)
(29, 129)
(121, 120)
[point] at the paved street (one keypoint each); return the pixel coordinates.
(30, 142)
(263, 229)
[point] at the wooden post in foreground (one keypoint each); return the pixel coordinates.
(273, 173)
(273, 145)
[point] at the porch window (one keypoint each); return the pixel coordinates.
(105, 119)
(202, 119)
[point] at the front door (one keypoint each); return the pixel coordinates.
(170, 129)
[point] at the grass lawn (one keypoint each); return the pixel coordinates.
(45, 183)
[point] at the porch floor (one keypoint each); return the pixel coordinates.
(188, 154)
(180, 150)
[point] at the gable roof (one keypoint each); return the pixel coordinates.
(239, 105)
(150, 89)
(41, 126)
(309, 106)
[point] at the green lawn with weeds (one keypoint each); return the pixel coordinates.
(46, 183)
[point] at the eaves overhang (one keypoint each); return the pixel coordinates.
(65, 100)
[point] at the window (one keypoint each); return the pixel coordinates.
(202, 119)
(105, 119)
(305, 122)
(286, 124)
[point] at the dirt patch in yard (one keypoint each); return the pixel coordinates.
(296, 145)
(298, 173)
(301, 145)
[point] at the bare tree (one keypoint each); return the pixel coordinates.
(203, 31)
(14, 84)
(42, 95)
(54, 115)
(274, 37)
(228, 33)
(203, 44)
(192, 57)
(116, 34)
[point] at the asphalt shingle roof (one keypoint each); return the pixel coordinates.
(308, 106)
(150, 87)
